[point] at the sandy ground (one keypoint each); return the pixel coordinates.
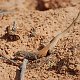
(36, 26)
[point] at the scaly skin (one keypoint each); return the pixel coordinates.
(50, 46)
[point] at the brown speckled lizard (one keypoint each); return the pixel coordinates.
(41, 53)
(50, 46)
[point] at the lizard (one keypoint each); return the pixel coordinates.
(51, 45)
(43, 52)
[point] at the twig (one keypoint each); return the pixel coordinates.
(14, 26)
(8, 59)
(5, 12)
(23, 68)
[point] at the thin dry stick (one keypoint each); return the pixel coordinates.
(6, 12)
(8, 59)
(14, 26)
(54, 41)
(23, 68)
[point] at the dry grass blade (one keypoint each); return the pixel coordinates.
(6, 12)
(23, 69)
(11, 61)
